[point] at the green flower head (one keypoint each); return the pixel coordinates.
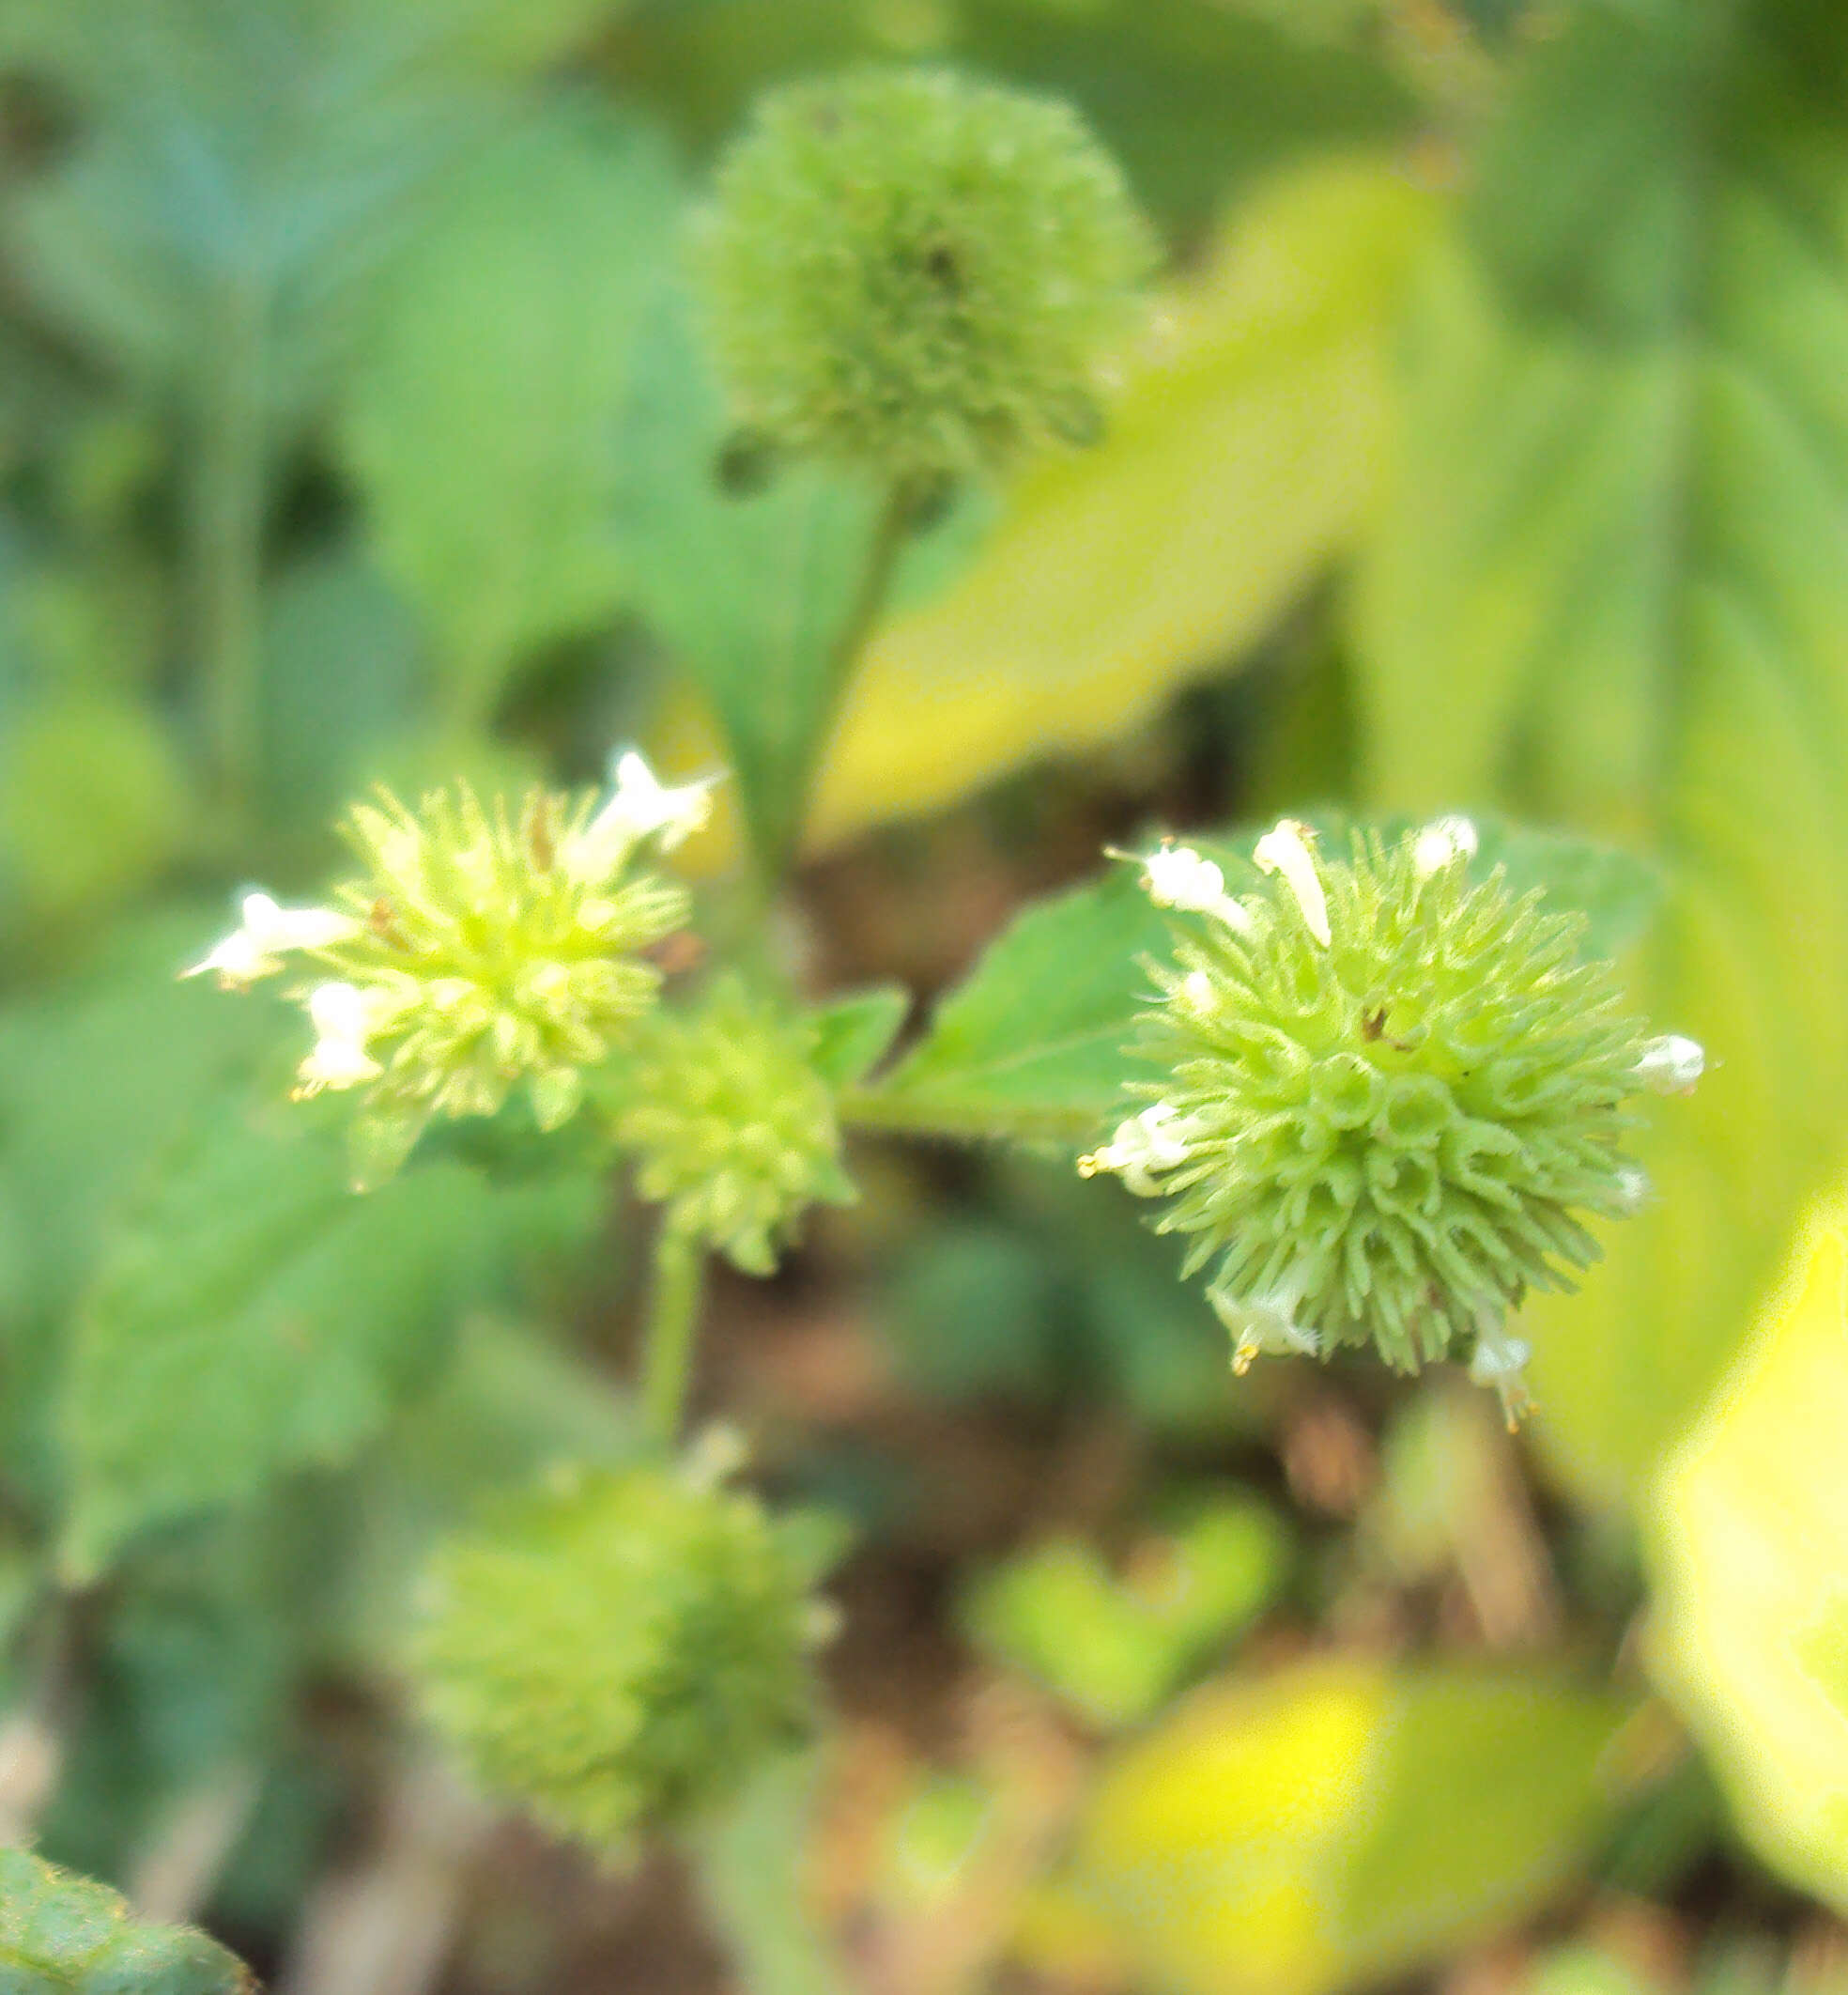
(622, 1650)
(478, 951)
(917, 273)
(1392, 1095)
(732, 1129)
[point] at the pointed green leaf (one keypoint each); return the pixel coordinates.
(64, 1934)
(1611, 589)
(1034, 1044)
(854, 1033)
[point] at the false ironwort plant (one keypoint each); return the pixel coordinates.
(1381, 1093)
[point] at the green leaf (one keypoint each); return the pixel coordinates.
(256, 1316)
(1340, 1822)
(753, 594)
(480, 420)
(854, 1033)
(1748, 1545)
(1033, 1045)
(1242, 454)
(1608, 591)
(64, 1934)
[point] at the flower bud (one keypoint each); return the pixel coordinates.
(1390, 1096)
(912, 273)
(622, 1652)
(732, 1129)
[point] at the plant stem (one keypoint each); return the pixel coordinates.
(673, 1312)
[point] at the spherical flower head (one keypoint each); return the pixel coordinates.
(733, 1130)
(1392, 1096)
(917, 273)
(621, 1651)
(480, 952)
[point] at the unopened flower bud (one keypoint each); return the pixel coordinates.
(1671, 1065)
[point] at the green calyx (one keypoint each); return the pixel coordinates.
(731, 1128)
(915, 274)
(622, 1652)
(1391, 1097)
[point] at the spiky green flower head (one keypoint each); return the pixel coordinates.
(917, 274)
(1392, 1093)
(620, 1651)
(732, 1129)
(478, 952)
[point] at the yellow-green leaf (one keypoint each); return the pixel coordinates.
(1240, 457)
(1341, 1822)
(1751, 1551)
(1610, 588)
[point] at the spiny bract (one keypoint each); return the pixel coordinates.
(622, 1650)
(477, 952)
(917, 274)
(734, 1131)
(1390, 1096)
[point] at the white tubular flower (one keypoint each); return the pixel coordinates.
(1264, 1323)
(1285, 850)
(1177, 876)
(1500, 1361)
(1155, 1140)
(344, 1020)
(642, 807)
(257, 948)
(1443, 841)
(1671, 1065)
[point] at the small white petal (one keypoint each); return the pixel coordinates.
(344, 1019)
(1440, 843)
(1285, 850)
(257, 948)
(1263, 1323)
(642, 807)
(1671, 1065)
(1155, 1140)
(1177, 876)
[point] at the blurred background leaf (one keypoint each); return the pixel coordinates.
(1240, 457)
(1750, 1547)
(1614, 554)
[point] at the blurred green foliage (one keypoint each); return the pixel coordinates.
(354, 423)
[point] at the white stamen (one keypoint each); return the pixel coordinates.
(1670, 1065)
(1285, 850)
(257, 948)
(1440, 843)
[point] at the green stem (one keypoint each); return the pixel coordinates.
(673, 1313)
(890, 531)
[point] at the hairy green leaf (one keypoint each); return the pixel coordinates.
(255, 1315)
(1611, 589)
(64, 1934)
